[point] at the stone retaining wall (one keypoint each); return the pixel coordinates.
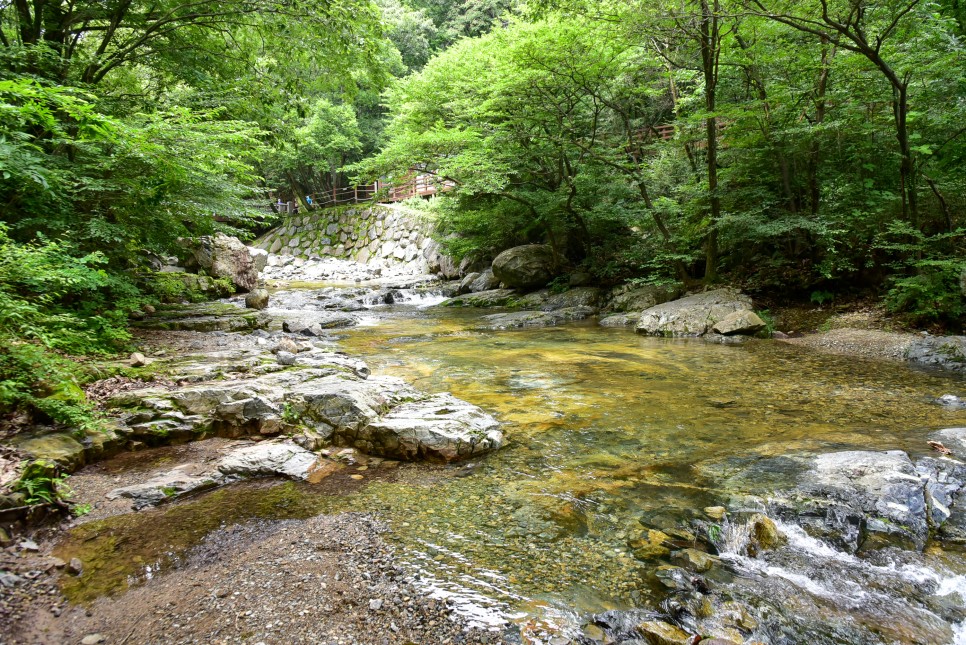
(378, 235)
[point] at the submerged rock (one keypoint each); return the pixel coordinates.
(694, 315)
(525, 267)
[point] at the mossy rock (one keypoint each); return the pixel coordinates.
(57, 447)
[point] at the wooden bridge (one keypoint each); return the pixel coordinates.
(417, 185)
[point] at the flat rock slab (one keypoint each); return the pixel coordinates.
(263, 459)
(170, 485)
(441, 428)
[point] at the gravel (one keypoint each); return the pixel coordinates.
(326, 580)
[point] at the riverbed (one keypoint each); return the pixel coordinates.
(609, 435)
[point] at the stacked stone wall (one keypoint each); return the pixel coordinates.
(377, 235)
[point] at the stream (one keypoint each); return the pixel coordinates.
(610, 435)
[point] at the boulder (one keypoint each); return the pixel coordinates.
(257, 299)
(60, 448)
(620, 320)
(525, 267)
(484, 281)
(588, 297)
(466, 283)
(692, 316)
(440, 428)
(221, 256)
(628, 298)
(740, 322)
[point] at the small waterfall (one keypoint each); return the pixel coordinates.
(904, 589)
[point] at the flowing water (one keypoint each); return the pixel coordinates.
(609, 434)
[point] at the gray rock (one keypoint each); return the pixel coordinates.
(944, 352)
(466, 283)
(525, 267)
(221, 256)
(951, 401)
(259, 258)
(521, 319)
(692, 316)
(285, 358)
(484, 281)
(270, 458)
(740, 322)
(588, 297)
(620, 320)
(75, 567)
(257, 299)
(440, 428)
(138, 360)
(168, 486)
(861, 500)
(954, 439)
(627, 298)
(494, 298)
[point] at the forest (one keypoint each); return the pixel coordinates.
(802, 150)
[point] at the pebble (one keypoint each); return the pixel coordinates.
(93, 639)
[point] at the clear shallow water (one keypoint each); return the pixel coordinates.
(608, 434)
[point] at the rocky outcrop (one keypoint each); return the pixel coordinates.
(859, 500)
(210, 316)
(264, 459)
(325, 399)
(586, 297)
(221, 256)
(525, 267)
(944, 352)
(694, 315)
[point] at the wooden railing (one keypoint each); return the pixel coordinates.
(418, 185)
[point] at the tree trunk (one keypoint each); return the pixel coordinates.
(710, 42)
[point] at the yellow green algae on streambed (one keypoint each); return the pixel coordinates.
(607, 432)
